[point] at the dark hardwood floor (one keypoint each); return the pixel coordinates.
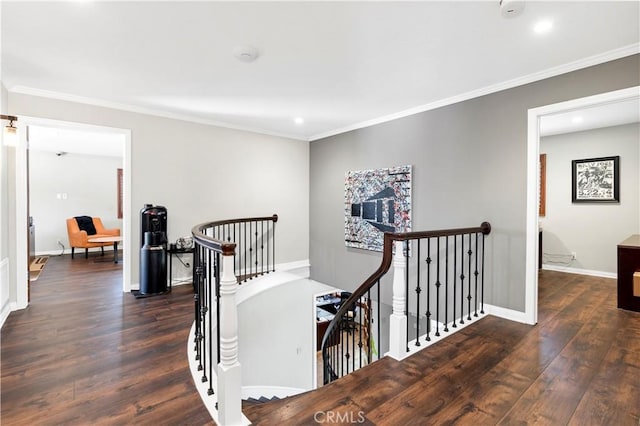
(85, 353)
(579, 366)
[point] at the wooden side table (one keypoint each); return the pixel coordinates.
(114, 239)
(176, 251)
(628, 265)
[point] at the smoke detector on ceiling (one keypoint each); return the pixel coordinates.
(511, 8)
(246, 53)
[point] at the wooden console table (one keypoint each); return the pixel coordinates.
(628, 265)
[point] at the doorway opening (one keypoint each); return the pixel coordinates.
(51, 141)
(535, 116)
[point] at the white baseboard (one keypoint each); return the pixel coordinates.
(182, 281)
(506, 313)
(5, 291)
(6, 310)
(579, 271)
(301, 268)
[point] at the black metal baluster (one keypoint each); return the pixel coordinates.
(446, 284)
(256, 251)
(203, 315)
(406, 290)
(438, 289)
(347, 355)
(217, 291)
(236, 257)
(379, 316)
(428, 339)
(418, 290)
(262, 247)
(360, 311)
(196, 299)
(244, 274)
(475, 300)
(482, 282)
(274, 246)
(268, 227)
(341, 360)
(336, 339)
(470, 252)
(251, 250)
(352, 321)
(455, 264)
(209, 303)
(461, 279)
(369, 320)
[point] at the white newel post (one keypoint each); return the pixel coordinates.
(229, 370)
(398, 320)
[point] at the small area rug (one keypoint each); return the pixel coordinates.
(36, 267)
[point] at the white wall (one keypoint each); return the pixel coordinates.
(89, 182)
(4, 189)
(201, 172)
(275, 334)
(591, 230)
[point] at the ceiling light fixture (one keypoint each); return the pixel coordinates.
(10, 135)
(543, 27)
(246, 53)
(298, 120)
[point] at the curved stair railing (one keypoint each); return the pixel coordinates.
(446, 271)
(227, 253)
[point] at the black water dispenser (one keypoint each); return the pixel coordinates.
(153, 250)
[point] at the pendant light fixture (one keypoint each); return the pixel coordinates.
(10, 134)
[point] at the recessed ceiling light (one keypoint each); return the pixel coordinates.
(246, 53)
(298, 120)
(543, 27)
(577, 120)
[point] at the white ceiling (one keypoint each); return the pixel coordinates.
(64, 141)
(338, 65)
(604, 115)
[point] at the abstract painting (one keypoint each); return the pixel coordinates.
(376, 201)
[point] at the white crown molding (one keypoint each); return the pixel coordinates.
(509, 84)
(24, 90)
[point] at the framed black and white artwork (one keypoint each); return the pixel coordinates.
(596, 180)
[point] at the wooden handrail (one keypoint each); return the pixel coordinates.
(224, 247)
(387, 257)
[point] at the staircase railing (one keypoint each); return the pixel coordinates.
(227, 253)
(445, 269)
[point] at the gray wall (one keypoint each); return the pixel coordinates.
(90, 184)
(201, 172)
(592, 231)
(469, 166)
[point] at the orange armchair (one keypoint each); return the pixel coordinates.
(79, 239)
